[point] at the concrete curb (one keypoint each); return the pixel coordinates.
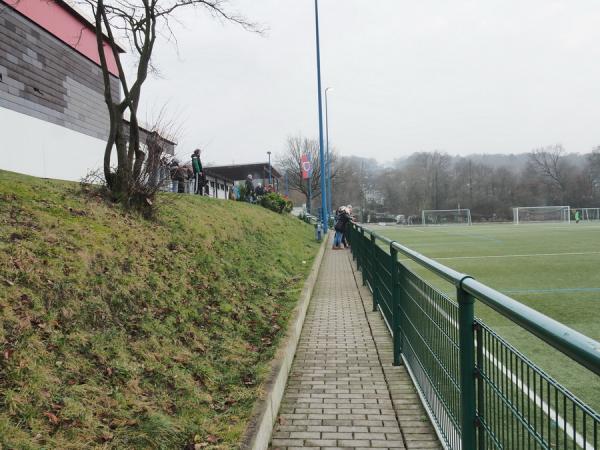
(258, 432)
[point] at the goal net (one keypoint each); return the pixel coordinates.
(591, 214)
(532, 214)
(446, 217)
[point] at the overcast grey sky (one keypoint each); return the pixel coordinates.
(483, 76)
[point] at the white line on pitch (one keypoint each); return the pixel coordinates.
(528, 255)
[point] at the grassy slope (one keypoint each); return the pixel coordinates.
(565, 287)
(117, 332)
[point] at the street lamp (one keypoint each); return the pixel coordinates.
(270, 178)
(324, 213)
(329, 187)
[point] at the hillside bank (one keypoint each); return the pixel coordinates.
(118, 332)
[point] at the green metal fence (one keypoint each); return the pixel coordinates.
(480, 392)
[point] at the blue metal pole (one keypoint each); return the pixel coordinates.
(308, 207)
(270, 177)
(329, 190)
(321, 143)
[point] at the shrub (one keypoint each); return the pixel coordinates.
(276, 202)
(243, 193)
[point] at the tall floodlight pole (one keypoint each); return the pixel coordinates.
(270, 178)
(329, 183)
(325, 214)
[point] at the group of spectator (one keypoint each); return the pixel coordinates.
(343, 217)
(254, 194)
(191, 178)
(186, 174)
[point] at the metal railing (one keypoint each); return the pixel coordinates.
(480, 391)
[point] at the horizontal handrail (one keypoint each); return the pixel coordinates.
(575, 345)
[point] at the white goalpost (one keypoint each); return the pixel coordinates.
(537, 214)
(446, 217)
(590, 214)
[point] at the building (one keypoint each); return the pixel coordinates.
(218, 185)
(53, 118)
(168, 145)
(239, 172)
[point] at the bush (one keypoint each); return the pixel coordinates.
(276, 202)
(243, 193)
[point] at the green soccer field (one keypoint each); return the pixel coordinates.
(553, 268)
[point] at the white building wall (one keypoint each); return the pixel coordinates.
(36, 147)
(218, 188)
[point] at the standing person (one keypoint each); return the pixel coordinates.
(173, 167)
(259, 191)
(189, 185)
(249, 189)
(198, 172)
(181, 175)
(577, 216)
(347, 227)
(231, 194)
(341, 220)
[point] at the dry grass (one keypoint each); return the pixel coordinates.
(118, 332)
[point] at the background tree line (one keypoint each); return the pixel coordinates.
(489, 185)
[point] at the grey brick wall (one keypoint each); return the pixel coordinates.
(45, 78)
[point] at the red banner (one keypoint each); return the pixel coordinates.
(306, 166)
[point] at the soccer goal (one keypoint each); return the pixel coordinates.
(590, 214)
(536, 214)
(446, 217)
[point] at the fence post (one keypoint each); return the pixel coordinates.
(479, 373)
(359, 243)
(372, 262)
(363, 256)
(466, 339)
(396, 306)
(353, 240)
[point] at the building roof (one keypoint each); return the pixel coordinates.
(241, 171)
(85, 18)
(147, 131)
(209, 173)
(72, 8)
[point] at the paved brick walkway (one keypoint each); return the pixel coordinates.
(338, 395)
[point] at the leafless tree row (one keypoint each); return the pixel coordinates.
(488, 185)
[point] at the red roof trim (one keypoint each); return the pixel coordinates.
(67, 25)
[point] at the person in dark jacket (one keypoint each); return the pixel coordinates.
(260, 191)
(173, 172)
(347, 227)
(181, 176)
(199, 177)
(249, 189)
(341, 222)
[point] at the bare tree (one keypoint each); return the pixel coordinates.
(159, 139)
(290, 162)
(548, 163)
(429, 172)
(141, 22)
